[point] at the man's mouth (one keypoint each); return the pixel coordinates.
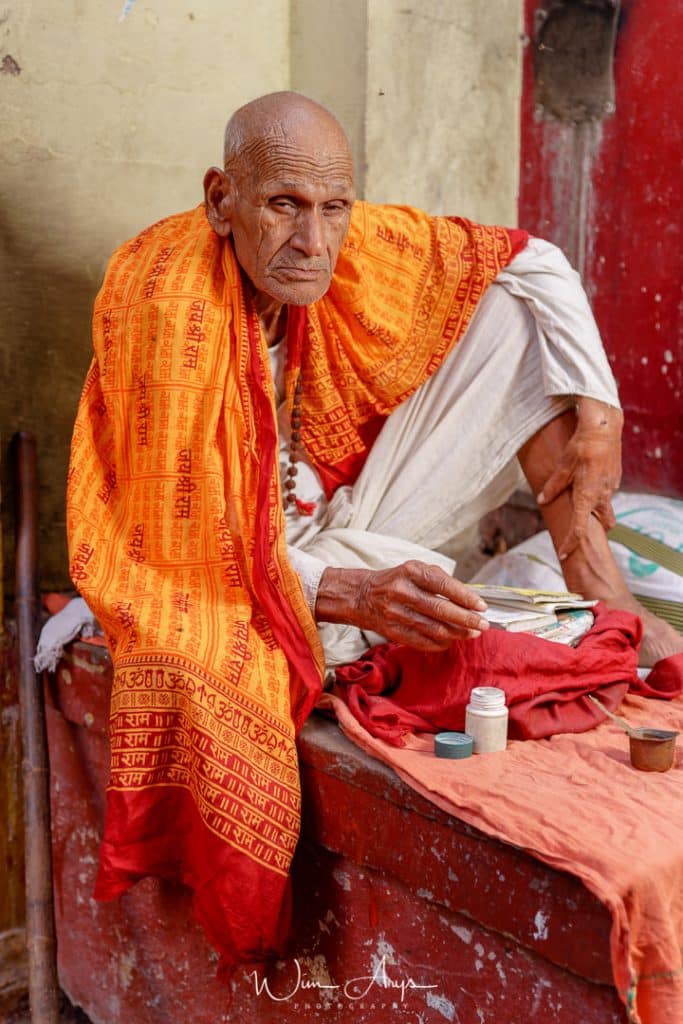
(290, 273)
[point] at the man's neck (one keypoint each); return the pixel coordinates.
(273, 317)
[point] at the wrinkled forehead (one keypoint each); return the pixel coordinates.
(319, 157)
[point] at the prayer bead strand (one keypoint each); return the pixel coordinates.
(294, 445)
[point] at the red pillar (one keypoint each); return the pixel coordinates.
(631, 226)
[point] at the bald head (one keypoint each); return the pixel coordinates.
(279, 118)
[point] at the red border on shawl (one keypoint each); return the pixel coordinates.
(306, 684)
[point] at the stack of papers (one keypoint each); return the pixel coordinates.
(517, 620)
(560, 616)
(570, 627)
(530, 600)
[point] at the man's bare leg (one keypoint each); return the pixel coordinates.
(590, 568)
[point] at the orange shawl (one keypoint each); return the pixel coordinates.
(176, 532)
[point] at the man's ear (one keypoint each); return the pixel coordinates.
(219, 195)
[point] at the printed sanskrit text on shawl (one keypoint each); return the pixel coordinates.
(176, 532)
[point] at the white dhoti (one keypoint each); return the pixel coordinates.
(448, 455)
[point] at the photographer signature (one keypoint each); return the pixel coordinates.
(353, 989)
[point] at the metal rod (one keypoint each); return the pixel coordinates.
(40, 922)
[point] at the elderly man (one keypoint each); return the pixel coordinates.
(394, 371)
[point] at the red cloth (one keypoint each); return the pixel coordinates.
(395, 689)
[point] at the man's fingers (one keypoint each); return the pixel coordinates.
(405, 625)
(569, 544)
(608, 518)
(451, 616)
(557, 482)
(604, 512)
(578, 528)
(436, 610)
(435, 581)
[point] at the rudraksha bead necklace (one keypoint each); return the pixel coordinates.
(294, 445)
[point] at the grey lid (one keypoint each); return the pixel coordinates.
(455, 745)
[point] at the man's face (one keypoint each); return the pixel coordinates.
(290, 216)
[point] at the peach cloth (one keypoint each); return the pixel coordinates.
(575, 802)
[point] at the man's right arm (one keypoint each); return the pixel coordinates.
(413, 603)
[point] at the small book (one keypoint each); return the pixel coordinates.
(530, 600)
(518, 620)
(571, 626)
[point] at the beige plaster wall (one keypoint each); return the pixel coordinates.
(329, 64)
(429, 94)
(105, 126)
(442, 114)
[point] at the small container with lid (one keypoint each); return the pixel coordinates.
(453, 745)
(486, 719)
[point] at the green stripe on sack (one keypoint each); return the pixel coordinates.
(648, 547)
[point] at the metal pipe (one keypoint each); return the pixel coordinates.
(40, 922)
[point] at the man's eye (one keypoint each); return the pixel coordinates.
(282, 203)
(335, 208)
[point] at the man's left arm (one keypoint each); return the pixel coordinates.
(591, 465)
(574, 363)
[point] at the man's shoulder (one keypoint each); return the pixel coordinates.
(386, 224)
(178, 254)
(362, 209)
(403, 225)
(167, 231)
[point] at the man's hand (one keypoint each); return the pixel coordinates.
(591, 466)
(413, 603)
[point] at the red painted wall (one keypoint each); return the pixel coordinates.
(634, 228)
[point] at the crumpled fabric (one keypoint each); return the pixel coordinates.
(395, 690)
(75, 619)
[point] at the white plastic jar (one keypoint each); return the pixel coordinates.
(486, 719)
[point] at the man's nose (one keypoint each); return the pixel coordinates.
(309, 236)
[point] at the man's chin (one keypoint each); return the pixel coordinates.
(300, 293)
